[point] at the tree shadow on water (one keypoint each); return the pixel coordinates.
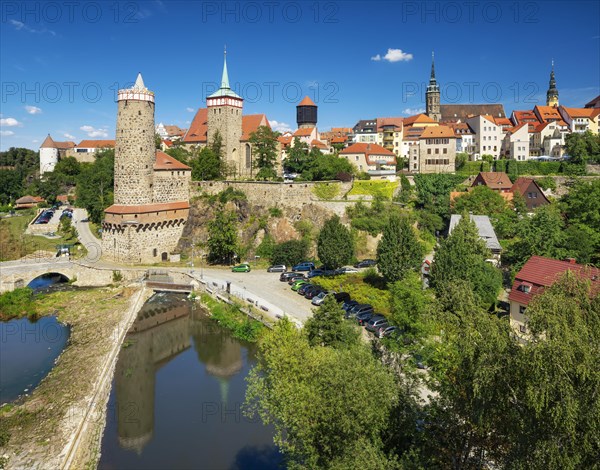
(258, 457)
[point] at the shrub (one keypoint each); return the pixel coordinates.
(275, 212)
(290, 252)
(326, 191)
(546, 182)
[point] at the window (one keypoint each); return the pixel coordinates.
(522, 309)
(428, 151)
(445, 151)
(437, 151)
(522, 328)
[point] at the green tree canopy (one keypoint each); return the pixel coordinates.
(335, 246)
(327, 326)
(583, 147)
(290, 252)
(95, 185)
(399, 251)
(222, 236)
(462, 256)
(481, 200)
(317, 397)
(264, 149)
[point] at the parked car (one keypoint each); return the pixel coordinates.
(285, 277)
(296, 285)
(276, 268)
(303, 288)
(341, 297)
(363, 318)
(297, 277)
(346, 270)
(313, 292)
(319, 299)
(347, 305)
(315, 273)
(389, 330)
(241, 268)
(357, 309)
(375, 322)
(365, 263)
(304, 266)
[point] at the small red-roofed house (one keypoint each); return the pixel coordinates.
(537, 274)
(371, 158)
(531, 192)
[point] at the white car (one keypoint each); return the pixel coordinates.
(318, 299)
(347, 270)
(277, 268)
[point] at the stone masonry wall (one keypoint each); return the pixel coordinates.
(271, 194)
(228, 121)
(135, 152)
(131, 246)
(171, 186)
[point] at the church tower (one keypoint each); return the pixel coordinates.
(552, 93)
(432, 96)
(306, 113)
(224, 108)
(135, 150)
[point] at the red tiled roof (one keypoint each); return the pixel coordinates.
(146, 208)
(540, 272)
(545, 113)
(339, 140)
(420, 118)
(436, 132)
(52, 144)
(514, 129)
(65, 145)
(285, 139)
(96, 144)
(29, 200)
(371, 152)
(198, 127)
(48, 143)
(390, 121)
(521, 185)
(251, 122)
(174, 130)
(318, 144)
(168, 143)
(494, 179)
(580, 112)
(307, 102)
(304, 132)
(502, 121)
(167, 162)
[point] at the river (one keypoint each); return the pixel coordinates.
(177, 395)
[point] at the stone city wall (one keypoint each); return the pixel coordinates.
(272, 193)
(171, 186)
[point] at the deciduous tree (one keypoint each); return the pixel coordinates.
(335, 246)
(399, 251)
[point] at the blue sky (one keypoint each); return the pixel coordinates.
(61, 62)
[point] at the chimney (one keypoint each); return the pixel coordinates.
(571, 260)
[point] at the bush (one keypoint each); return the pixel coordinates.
(361, 288)
(326, 191)
(381, 188)
(546, 182)
(275, 212)
(17, 303)
(363, 176)
(290, 252)
(231, 194)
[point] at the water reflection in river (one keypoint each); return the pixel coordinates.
(177, 395)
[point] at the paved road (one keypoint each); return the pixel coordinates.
(87, 239)
(262, 286)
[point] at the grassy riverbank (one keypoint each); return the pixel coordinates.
(35, 432)
(231, 317)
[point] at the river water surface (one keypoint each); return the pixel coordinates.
(177, 394)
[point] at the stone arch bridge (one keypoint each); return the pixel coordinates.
(15, 274)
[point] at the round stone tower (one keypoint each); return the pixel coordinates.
(306, 113)
(135, 151)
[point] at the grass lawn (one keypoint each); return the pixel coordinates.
(373, 188)
(14, 244)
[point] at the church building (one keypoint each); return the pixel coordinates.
(224, 115)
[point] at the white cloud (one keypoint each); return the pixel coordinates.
(69, 136)
(9, 122)
(280, 126)
(93, 132)
(190, 110)
(20, 26)
(394, 55)
(33, 110)
(6, 133)
(413, 111)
